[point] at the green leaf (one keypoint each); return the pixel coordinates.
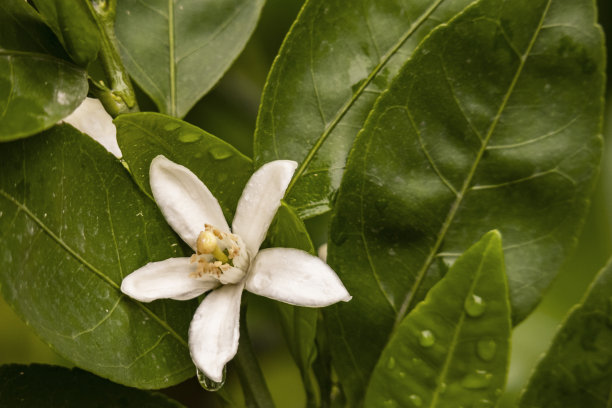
(72, 225)
(36, 90)
(332, 66)
(299, 323)
(177, 50)
(40, 385)
(22, 29)
(72, 22)
(223, 169)
(577, 369)
(453, 348)
(493, 124)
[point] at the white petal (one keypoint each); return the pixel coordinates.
(260, 200)
(322, 252)
(214, 330)
(91, 119)
(295, 277)
(184, 200)
(167, 279)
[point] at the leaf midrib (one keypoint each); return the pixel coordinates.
(345, 108)
(84, 262)
(411, 295)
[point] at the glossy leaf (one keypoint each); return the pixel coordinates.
(299, 323)
(40, 385)
(22, 29)
(36, 91)
(177, 50)
(577, 369)
(223, 169)
(332, 66)
(494, 123)
(74, 25)
(453, 348)
(72, 225)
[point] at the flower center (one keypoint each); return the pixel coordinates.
(221, 255)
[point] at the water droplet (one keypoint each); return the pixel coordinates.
(207, 383)
(474, 305)
(402, 374)
(426, 338)
(415, 400)
(483, 403)
(189, 137)
(390, 403)
(171, 126)
(486, 349)
(391, 363)
(220, 152)
(442, 388)
(477, 380)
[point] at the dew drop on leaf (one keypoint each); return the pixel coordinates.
(220, 152)
(477, 380)
(486, 349)
(207, 383)
(474, 305)
(189, 137)
(171, 126)
(483, 403)
(426, 338)
(415, 400)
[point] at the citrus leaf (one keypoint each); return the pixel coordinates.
(177, 50)
(453, 348)
(332, 66)
(72, 226)
(493, 124)
(40, 385)
(577, 369)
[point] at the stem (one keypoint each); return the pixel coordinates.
(256, 393)
(119, 98)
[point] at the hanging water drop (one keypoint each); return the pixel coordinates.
(486, 349)
(415, 400)
(477, 380)
(474, 305)
(426, 338)
(220, 152)
(207, 383)
(189, 137)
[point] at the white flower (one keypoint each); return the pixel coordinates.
(91, 118)
(227, 261)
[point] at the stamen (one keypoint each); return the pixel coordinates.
(207, 244)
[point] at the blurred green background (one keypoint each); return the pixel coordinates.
(229, 112)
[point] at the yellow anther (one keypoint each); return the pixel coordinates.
(207, 244)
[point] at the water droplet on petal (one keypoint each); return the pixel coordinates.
(220, 152)
(207, 383)
(415, 400)
(426, 338)
(391, 363)
(171, 126)
(474, 305)
(486, 349)
(477, 380)
(189, 137)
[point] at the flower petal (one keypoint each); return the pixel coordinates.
(214, 330)
(184, 200)
(295, 277)
(91, 119)
(166, 279)
(260, 200)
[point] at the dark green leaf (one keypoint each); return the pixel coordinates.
(22, 29)
(36, 90)
(299, 323)
(72, 225)
(59, 387)
(333, 64)
(494, 123)
(223, 169)
(453, 348)
(576, 371)
(74, 25)
(177, 50)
